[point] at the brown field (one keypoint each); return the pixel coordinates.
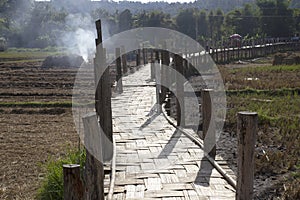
(30, 136)
(33, 133)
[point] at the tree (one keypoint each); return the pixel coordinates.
(155, 19)
(202, 25)
(233, 21)
(125, 20)
(140, 19)
(216, 21)
(276, 17)
(285, 23)
(248, 24)
(219, 24)
(211, 24)
(243, 21)
(44, 27)
(185, 22)
(297, 20)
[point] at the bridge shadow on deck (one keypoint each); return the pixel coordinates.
(168, 148)
(204, 174)
(152, 115)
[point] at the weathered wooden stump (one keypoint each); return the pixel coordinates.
(208, 122)
(73, 187)
(246, 130)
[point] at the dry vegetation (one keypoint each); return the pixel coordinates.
(37, 124)
(36, 121)
(274, 93)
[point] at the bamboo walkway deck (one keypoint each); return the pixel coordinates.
(153, 159)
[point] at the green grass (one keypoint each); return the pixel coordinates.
(279, 128)
(263, 77)
(275, 95)
(28, 55)
(269, 68)
(276, 92)
(52, 186)
(36, 104)
(23, 60)
(270, 108)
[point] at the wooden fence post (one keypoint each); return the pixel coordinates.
(94, 174)
(124, 60)
(208, 122)
(165, 61)
(103, 91)
(98, 150)
(179, 91)
(152, 66)
(119, 86)
(144, 55)
(157, 59)
(228, 54)
(158, 83)
(246, 130)
(73, 187)
(138, 57)
(217, 55)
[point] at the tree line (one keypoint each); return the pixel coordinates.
(42, 25)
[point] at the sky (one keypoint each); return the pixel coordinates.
(169, 1)
(144, 1)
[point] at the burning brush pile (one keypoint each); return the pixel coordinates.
(65, 61)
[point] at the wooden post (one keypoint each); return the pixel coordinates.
(99, 149)
(225, 55)
(208, 122)
(250, 49)
(124, 60)
(73, 187)
(180, 91)
(185, 66)
(94, 178)
(228, 54)
(221, 54)
(246, 130)
(157, 59)
(217, 55)
(103, 91)
(165, 61)
(152, 66)
(213, 53)
(158, 84)
(94, 174)
(253, 51)
(138, 57)
(144, 55)
(119, 71)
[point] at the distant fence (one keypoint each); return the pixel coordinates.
(222, 54)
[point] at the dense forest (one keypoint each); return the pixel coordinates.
(25, 23)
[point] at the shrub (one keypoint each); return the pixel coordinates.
(3, 44)
(52, 186)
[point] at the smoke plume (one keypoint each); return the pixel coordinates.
(80, 36)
